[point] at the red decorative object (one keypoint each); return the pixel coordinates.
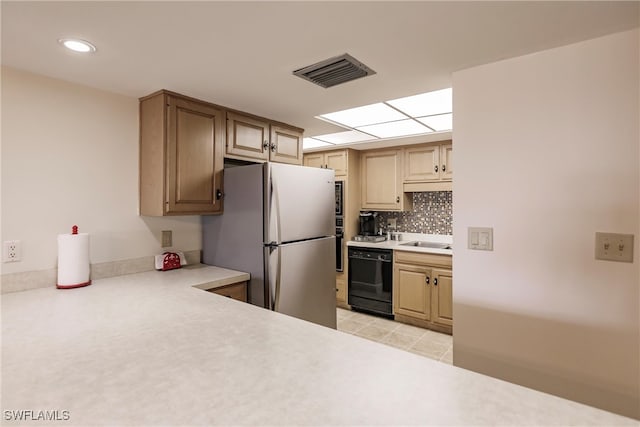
(74, 229)
(170, 261)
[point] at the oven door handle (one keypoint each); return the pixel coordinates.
(369, 259)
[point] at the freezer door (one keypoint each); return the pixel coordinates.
(302, 280)
(301, 201)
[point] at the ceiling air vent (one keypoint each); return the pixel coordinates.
(334, 71)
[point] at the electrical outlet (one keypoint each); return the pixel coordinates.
(167, 238)
(11, 251)
(391, 223)
(614, 247)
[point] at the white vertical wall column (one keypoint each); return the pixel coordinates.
(546, 153)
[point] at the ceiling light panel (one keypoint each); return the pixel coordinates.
(396, 129)
(438, 123)
(425, 104)
(345, 137)
(313, 143)
(366, 115)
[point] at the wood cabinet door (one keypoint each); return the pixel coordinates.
(422, 164)
(286, 145)
(381, 180)
(341, 291)
(411, 291)
(442, 297)
(337, 160)
(195, 139)
(237, 291)
(247, 136)
(314, 160)
(446, 162)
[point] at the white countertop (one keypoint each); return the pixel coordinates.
(398, 245)
(150, 349)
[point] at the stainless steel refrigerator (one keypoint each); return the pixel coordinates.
(278, 225)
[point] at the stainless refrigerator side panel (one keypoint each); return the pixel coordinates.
(302, 203)
(305, 280)
(234, 239)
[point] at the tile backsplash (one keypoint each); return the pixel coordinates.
(432, 214)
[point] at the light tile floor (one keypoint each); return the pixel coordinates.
(405, 337)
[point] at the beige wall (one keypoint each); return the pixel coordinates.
(546, 153)
(70, 156)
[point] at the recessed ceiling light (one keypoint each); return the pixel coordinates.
(78, 45)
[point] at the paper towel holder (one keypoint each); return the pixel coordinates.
(78, 281)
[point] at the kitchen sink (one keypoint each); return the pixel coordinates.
(428, 245)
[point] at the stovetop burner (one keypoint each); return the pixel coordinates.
(371, 239)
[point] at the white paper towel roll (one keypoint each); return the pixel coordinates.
(73, 260)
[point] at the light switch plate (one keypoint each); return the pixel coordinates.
(480, 238)
(614, 247)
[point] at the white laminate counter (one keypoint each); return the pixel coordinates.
(398, 245)
(150, 349)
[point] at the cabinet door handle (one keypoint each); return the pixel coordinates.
(444, 168)
(427, 279)
(273, 148)
(265, 145)
(219, 194)
(398, 199)
(435, 281)
(435, 168)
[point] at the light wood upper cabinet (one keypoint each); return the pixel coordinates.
(422, 163)
(382, 181)
(336, 160)
(446, 160)
(423, 290)
(247, 136)
(428, 163)
(181, 156)
(252, 138)
(314, 160)
(285, 145)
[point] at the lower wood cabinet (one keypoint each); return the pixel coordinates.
(423, 290)
(237, 291)
(341, 293)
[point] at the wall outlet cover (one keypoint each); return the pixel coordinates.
(167, 238)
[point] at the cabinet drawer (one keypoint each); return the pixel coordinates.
(237, 291)
(423, 259)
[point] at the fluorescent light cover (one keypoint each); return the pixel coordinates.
(345, 137)
(78, 45)
(439, 122)
(313, 143)
(366, 115)
(395, 129)
(425, 104)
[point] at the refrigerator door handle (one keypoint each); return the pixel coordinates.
(275, 211)
(276, 298)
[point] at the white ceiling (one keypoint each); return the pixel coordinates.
(241, 54)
